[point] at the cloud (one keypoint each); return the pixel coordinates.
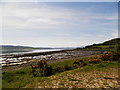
(42, 24)
(27, 16)
(115, 34)
(62, 34)
(20, 16)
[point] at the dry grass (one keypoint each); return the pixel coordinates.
(104, 78)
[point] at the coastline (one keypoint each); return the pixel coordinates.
(50, 57)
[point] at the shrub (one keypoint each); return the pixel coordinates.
(76, 64)
(48, 71)
(58, 69)
(41, 69)
(34, 70)
(94, 59)
(66, 67)
(80, 63)
(116, 57)
(106, 57)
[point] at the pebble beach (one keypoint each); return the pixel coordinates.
(18, 61)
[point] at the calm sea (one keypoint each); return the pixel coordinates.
(30, 51)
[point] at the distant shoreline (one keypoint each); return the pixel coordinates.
(35, 53)
(27, 51)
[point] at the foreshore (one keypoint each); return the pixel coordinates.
(19, 61)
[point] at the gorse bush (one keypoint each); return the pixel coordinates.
(80, 63)
(94, 59)
(106, 57)
(101, 57)
(41, 69)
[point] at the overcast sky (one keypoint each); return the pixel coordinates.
(59, 24)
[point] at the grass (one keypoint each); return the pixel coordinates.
(14, 79)
(98, 66)
(105, 46)
(102, 48)
(22, 78)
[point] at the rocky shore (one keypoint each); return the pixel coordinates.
(18, 61)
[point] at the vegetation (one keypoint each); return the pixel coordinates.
(109, 42)
(24, 78)
(101, 75)
(41, 70)
(111, 45)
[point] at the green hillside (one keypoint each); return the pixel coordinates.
(113, 45)
(112, 42)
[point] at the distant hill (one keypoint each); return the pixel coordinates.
(28, 47)
(112, 42)
(15, 49)
(21, 47)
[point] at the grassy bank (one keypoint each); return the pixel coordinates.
(24, 77)
(104, 75)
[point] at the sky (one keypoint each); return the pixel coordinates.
(58, 24)
(60, 0)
